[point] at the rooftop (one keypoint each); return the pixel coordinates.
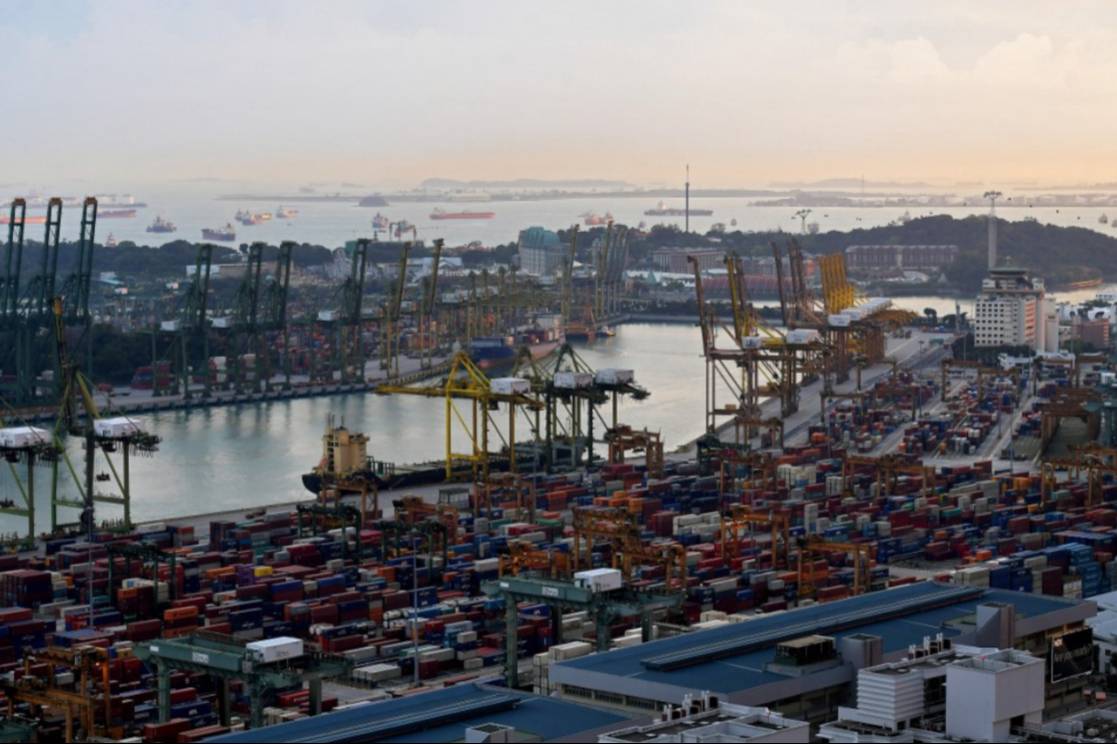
(743, 651)
(441, 715)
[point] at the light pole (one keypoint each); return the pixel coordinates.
(802, 214)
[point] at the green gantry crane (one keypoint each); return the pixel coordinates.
(221, 657)
(603, 606)
(193, 328)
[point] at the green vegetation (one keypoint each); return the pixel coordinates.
(1058, 254)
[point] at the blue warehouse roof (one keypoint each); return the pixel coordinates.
(732, 658)
(440, 715)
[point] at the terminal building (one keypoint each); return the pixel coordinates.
(803, 663)
(926, 662)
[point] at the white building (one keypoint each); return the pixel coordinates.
(541, 252)
(1012, 311)
(703, 720)
(981, 694)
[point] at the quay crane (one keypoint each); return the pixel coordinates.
(465, 381)
(565, 382)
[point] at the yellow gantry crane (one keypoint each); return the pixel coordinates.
(466, 382)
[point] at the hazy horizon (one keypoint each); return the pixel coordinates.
(388, 94)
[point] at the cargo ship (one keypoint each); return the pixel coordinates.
(31, 219)
(498, 353)
(345, 459)
(118, 214)
(380, 222)
(118, 201)
(1084, 284)
(372, 201)
(286, 213)
(662, 210)
(161, 225)
(110, 241)
(442, 214)
(226, 234)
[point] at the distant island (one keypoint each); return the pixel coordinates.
(451, 184)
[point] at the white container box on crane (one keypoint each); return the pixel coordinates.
(280, 648)
(510, 386)
(121, 426)
(599, 579)
(613, 376)
(23, 436)
(803, 336)
(573, 380)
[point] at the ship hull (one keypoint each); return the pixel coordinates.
(463, 216)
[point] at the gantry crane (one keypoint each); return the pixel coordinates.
(275, 319)
(193, 330)
(754, 350)
(392, 333)
(524, 558)
(217, 655)
(572, 393)
(465, 381)
(862, 563)
(429, 326)
(739, 524)
(76, 389)
(349, 344)
(888, 469)
(32, 314)
(39, 685)
(627, 547)
(77, 285)
(246, 326)
(624, 439)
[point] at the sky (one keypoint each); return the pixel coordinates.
(390, 93)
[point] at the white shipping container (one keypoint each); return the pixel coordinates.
(612, 376)
(803, 336)
(271, 650)
(573, 380)
(23, 436)
(509, 386)
(120, 426)
(599, 579)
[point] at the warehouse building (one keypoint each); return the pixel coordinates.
(464, 712)
(890, 258)
(802, 663)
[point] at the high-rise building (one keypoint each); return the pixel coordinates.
(541, 252)
(1011, 311)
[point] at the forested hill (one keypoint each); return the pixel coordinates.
(1058, 254)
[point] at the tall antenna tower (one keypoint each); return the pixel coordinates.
(686, 200)
(992, 196)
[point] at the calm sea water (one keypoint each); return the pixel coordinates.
(254, 454)
(196, 207)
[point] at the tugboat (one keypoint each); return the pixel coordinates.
(380, 222)
(286, 213)
(245, 217)
(110, 241)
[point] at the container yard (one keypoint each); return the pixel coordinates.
(856, 503)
